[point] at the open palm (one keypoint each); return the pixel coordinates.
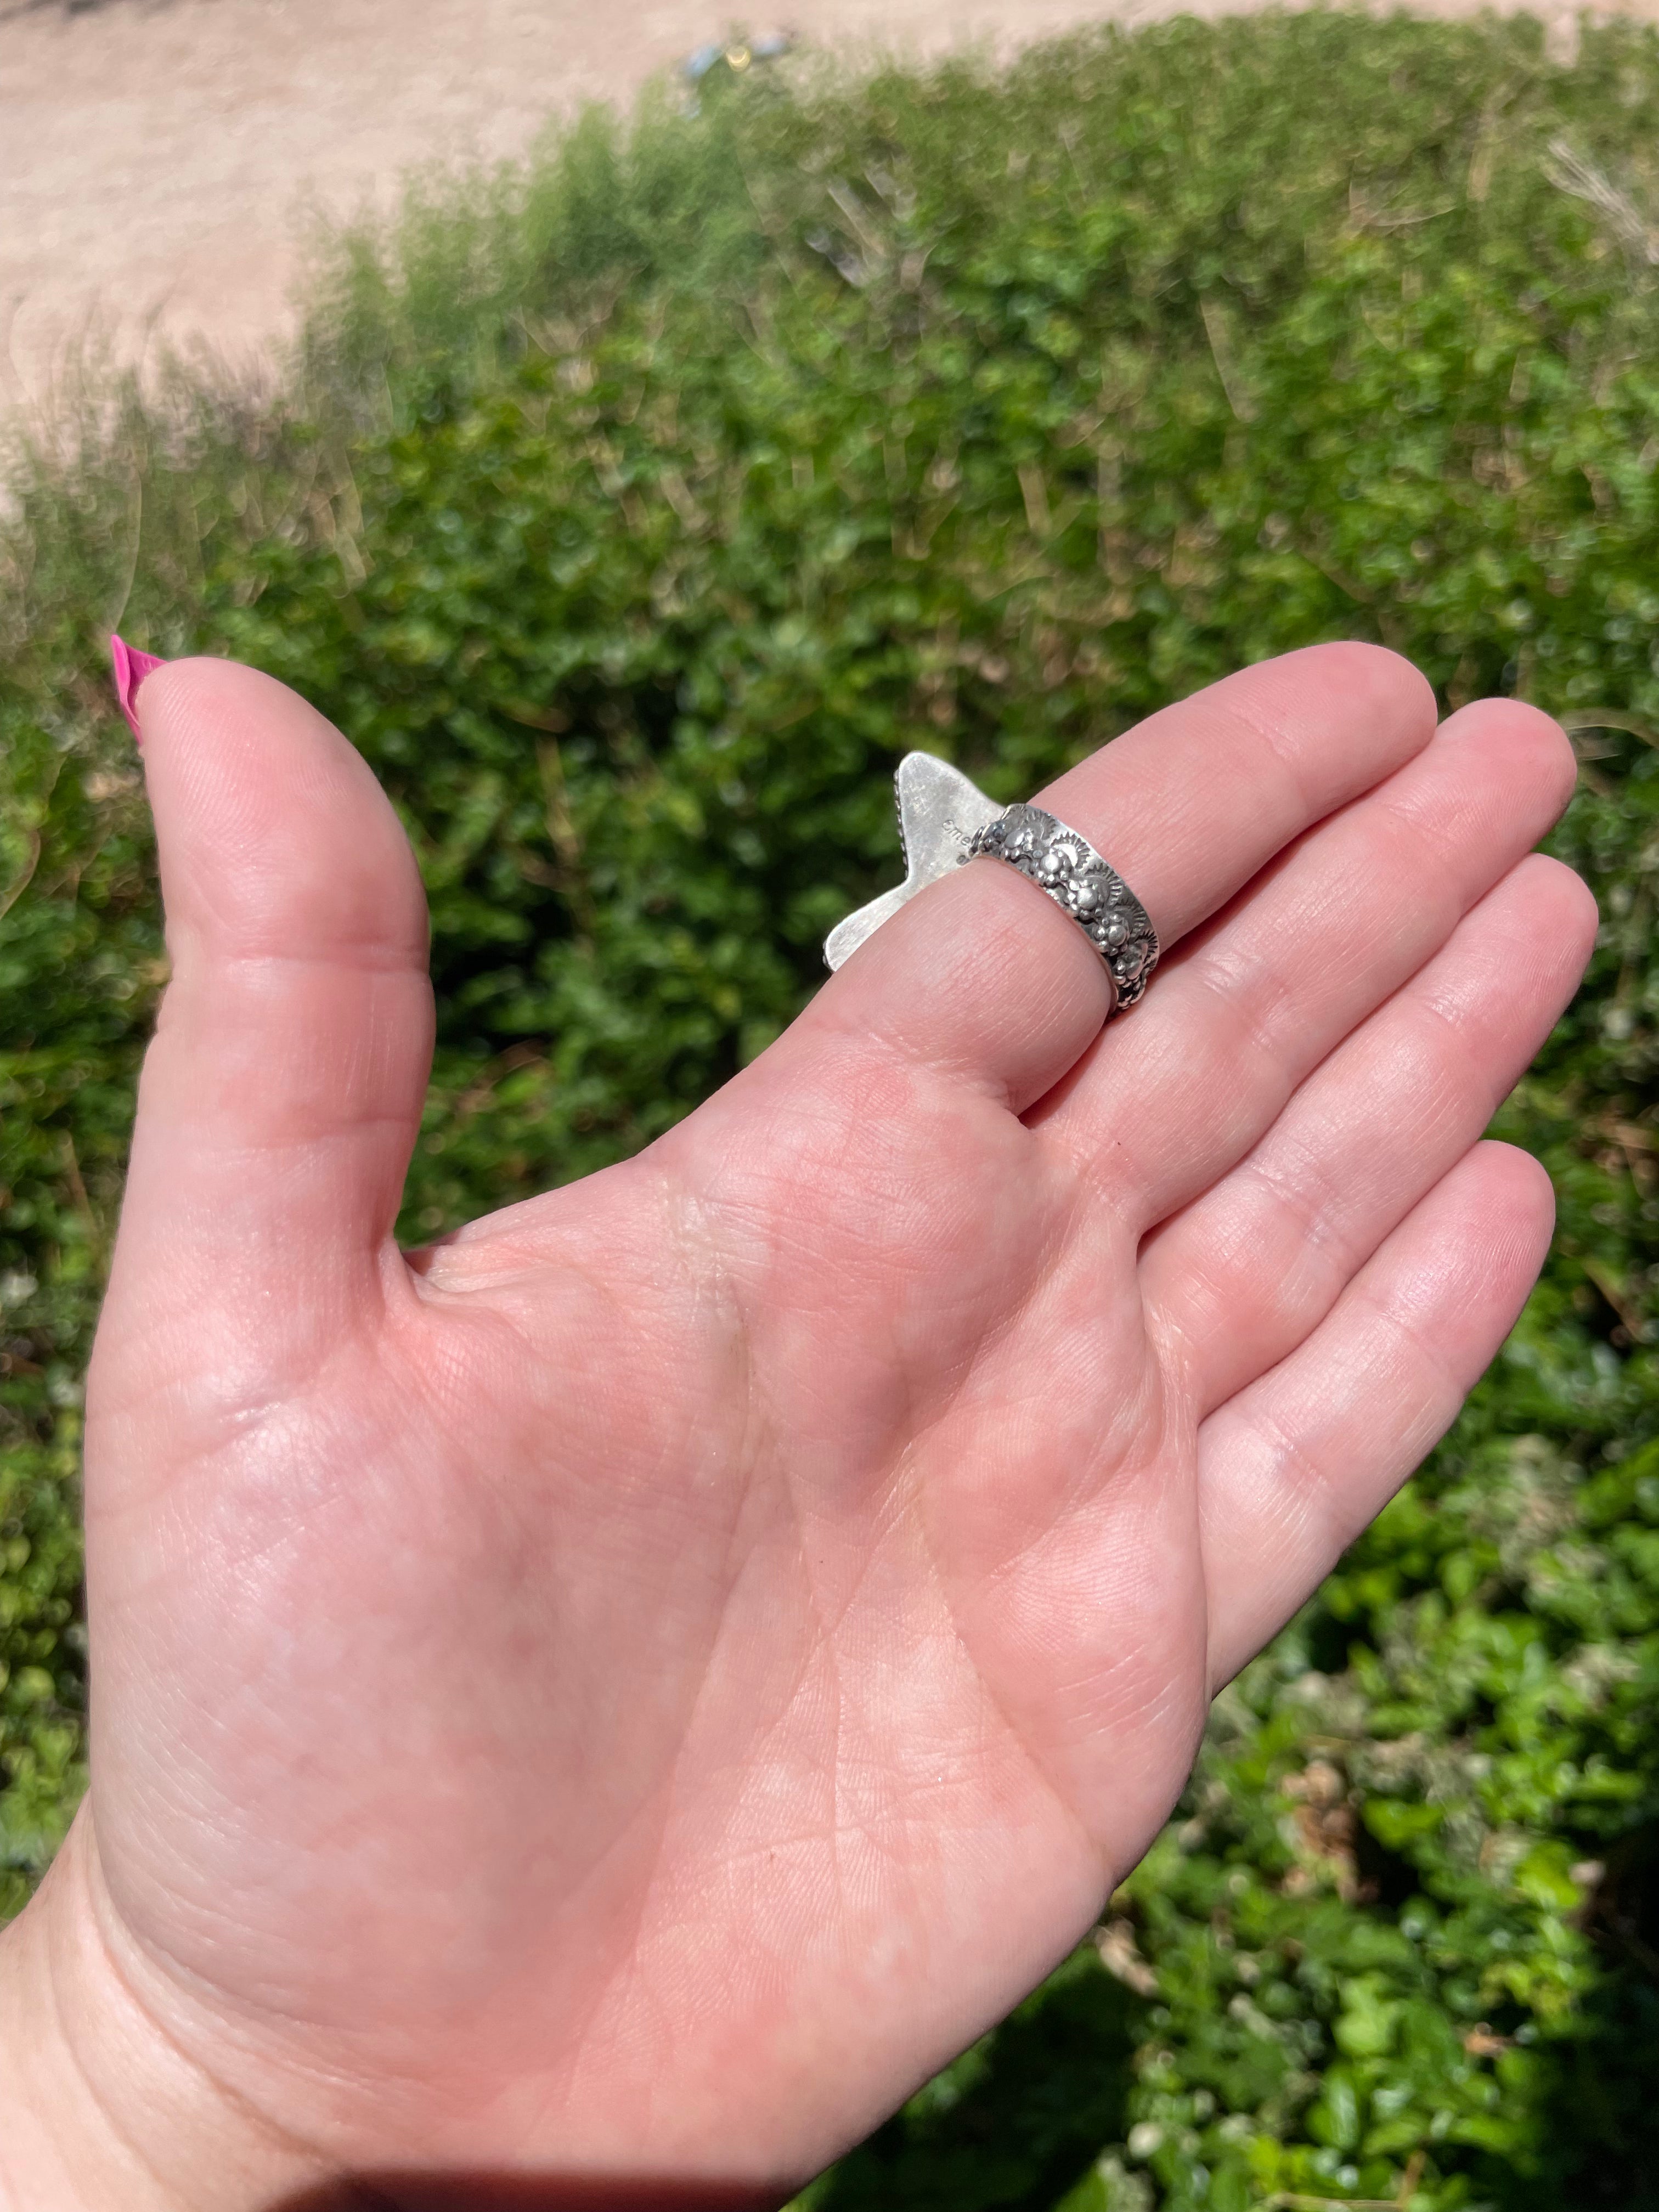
(631, 1689)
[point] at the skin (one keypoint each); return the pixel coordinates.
(616, 1698)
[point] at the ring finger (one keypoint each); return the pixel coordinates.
(1236, 1281)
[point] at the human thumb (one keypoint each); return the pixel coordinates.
(281, 1095)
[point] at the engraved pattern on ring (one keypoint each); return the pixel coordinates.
(1065, 866)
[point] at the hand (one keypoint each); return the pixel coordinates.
(631, 1690)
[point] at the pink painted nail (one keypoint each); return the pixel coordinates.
(131, 670)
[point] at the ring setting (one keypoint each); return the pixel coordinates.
(946, 820)
(1068, 867)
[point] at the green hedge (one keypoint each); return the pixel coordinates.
(632, 512)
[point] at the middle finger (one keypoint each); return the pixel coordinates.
(1171, 1097)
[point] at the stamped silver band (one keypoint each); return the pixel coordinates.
(944, 820)
(1065, 865)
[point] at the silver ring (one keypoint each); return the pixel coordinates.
(1063, 863)
(944, 820)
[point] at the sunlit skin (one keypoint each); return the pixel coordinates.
(631, 1689)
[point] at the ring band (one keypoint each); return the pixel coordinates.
(1060, 860)
(944, 820)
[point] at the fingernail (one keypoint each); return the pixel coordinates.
(131, 670)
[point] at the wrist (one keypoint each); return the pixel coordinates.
(99, 2110)
(103, 2110)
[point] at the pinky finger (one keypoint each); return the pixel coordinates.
(1294, 1466)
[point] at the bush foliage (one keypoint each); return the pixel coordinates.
(632, 512)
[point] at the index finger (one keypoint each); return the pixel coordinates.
(985, 977)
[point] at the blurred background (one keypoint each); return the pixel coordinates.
(157, 152)
(634, 482)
